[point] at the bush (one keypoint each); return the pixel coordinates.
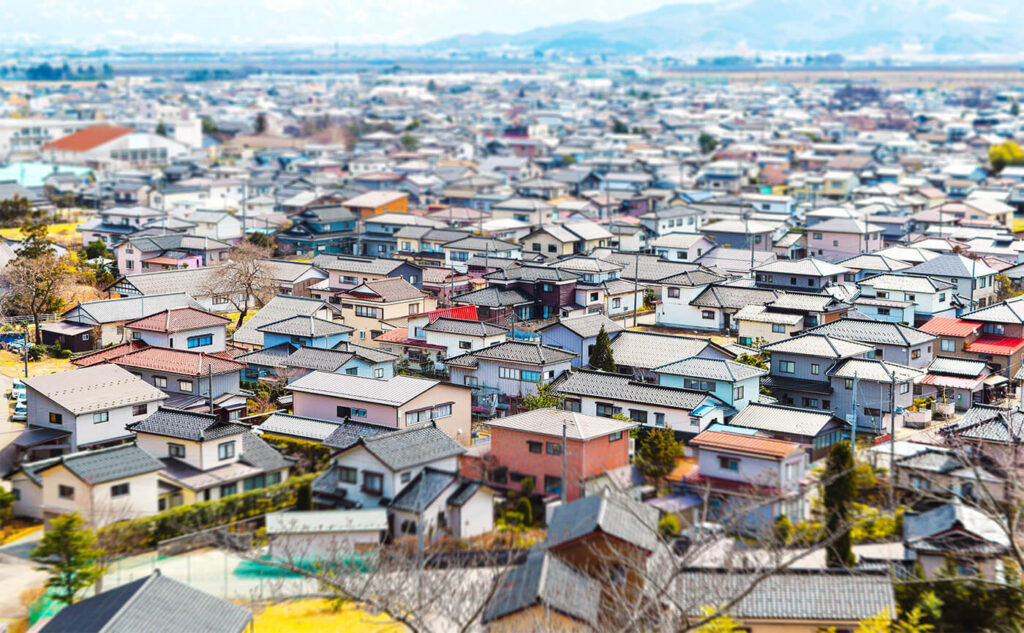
(668, 526)
(525, 509)
(304, 497)
(783, 530)
(314, 454)
(58, 352)
(36, 352)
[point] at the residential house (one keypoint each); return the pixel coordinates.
(683, 247)
(83, 408)
(870, 264)
(446, 505)
(349, 359)
(398, 402)
(974, 280)
(965, 382)
(893, 342)
(218, 225)
(814, 429)
(869, 389)
(162, 252)
(571, 238)
(715, 307)
(305, 331)
(798, 374)
(374, 203)
(638, 353)
(838, 239)
(673, 219)
(113, 225)
(503, 374)
(578, 335)
(458, 252)
(320, 229)
(101, 323)
(104, 486)
(204, 285)
(1002, 335)
(742, 234)
(366, 306)
(183, 328)
(733, 383)
(807, 275)
(378, 235)
(278, 308)
(553, 291)
(678, 290)
(205, 458)
(757, 325)
(930, 296)
(972, 539)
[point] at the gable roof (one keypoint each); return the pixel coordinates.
(178, 320)
(746, 444)
(926, 528)
(95, 388)
(822, 345)
(873, 332)
(711, 369)
(278, 308)
(464, 327)
(385, 290)
(578, 426)
(646, 350)
(154, 604)
(599, 384)
(809, 267)
(103, 464)
(178, 361)
(1008, 311)
(187, 425)
(952, 265)
(393, 392)
(129, 308)
(405, 448)
(721, 296)
(587, 326)
(88, 138)
(616, 515)
(873, 369)
(544, 580)
(424, 488)
(494, 297)
(948, 326)
(305, 325)
(516, 352)
(782, 419)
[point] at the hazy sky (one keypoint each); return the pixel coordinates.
(225, 22)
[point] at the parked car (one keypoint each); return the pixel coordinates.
(17, 390)
(20, 411)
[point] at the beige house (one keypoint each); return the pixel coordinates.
(366, 306)
(754, 322)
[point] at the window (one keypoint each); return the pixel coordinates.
(529, 376)
(352, 371)
(638, 415)
(373, 483)
(219, 300)
(470, 381)
(200, 341)
(465, 345)
(226, 450)
(915, 353)
(871, 411)
(729, 463)
(815, 369)
(228, 490)
(552, 248)
(947, 345)
(778, 328)
(441, 411)
(615, 437)
(358, 413)
(176, 450)
(616, 302)
(707, 315)
(787, 367)
(878, 353)
(817, 236)
(835, 242)
(882, 295)
(673, 293)
(552, 484)
(56, 418)
(701, 385)
(535, 246)
(406, 476)
(185, 385)
(378, 372)
(160, 381)
(347, 475)
(884, 311)
(119, 490)
(737, 393)
(366, 311)
(810, 403)
(904, 387)
(534, 447)
(102, 416)
(65, 492)
(606, 410)
(414, 308)
(140, 409)
(508, 372)
(553, 448)
(659, 419)
(848, 383)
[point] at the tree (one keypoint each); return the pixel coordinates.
(656, 454)
(261, 123)
(69, 554)
(413, 125)
(209, 127)
(707, 143)
(14, 210)
(545, 398)
(1015, 108)
(245, 278)
(304, 497)
(839, 494)
(1004, 288)
(96, 248)
(568, 159)
(1006, 153)
(618, 127)
(161, 128)
(35, 241)
(431, 86)
(601, 357)
(408, 142)
(34, 285)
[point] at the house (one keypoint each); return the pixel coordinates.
(306, 331)
(108, 146)
(571, 238)
(638, 353)
(751, 235)
(83, 408)
(735, 384)
(203, 284)
(807, 275)
(378, 235)
(964, 381)
(112, 225)
(104, 485)
(798, 374)
(686, 411)
(530, 444)
(163, 252)
(320, 229)
(503, 374)
(443, 504)
(352, 360)
(678, 290)
(666, 221)
(348, 271)
(1002, 335)
(974, 280)
(374, 203)
(973, 539)
(278, 308)
(458, 252)
(292, 278)
(554, 291)
(715, 307)
(893, 342)
(870, 264)
(324, 534)
(217, 225)
(578, 335)
(930, 296)
(814, 429)
(682, 247)
(154, 604)
(183, 328)
(370, 471)
(736, 472)
(105, 320)
(869, 389)
(460, 336)
(205, 458)
(365, 307)
(757, 324)
(399, 402)
(840, 238)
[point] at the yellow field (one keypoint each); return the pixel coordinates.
(12, 365)
(66, 233)
(1018, 224)
(317, 616)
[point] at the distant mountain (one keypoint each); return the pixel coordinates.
(804, 26)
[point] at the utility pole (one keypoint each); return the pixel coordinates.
(209, 383)
(24, 349)
(853, 433)
(974, 281)
(892, 442)
(565, 425)
(636, 283)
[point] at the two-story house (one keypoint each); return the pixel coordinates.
(305, 331)
(975, 281)
(365, 307)
(742, 234)
(162, 252)
(887, 295)
(83, 408)
(733, 383)
(348, 271)
(1001, 343)
(458, 252)
(112, 225)
(678, 290)
(715, 307)
(672, 219)
(99, 323)
(571, 238)
(803, 275)
(506, 372)
(869, 388)
(893, 342)
(681, 247)
(553, 290)
(799, 365)
(579, 335)
(814, 429)
(841, 238)
(320, 229)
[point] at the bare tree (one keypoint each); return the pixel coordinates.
(34, 285)
(244, 279)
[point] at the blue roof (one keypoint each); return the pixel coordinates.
(728, 428)
(33, 174)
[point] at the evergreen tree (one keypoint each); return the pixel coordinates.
(69, 554)
(544, 398)
(35, 241)
(656, 454)
(304, 497)
(601, 357)
(161, 128)
(840, 491)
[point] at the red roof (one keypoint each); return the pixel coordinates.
(108, 353)
(400, 336)
(465, 313)
(178, 320)
(998, 345)
(177, 361)
(720, 440)
(87, 138)
(948, 326)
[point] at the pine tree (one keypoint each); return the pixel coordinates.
(601, 357)
(69, 554)
(657, 453)
(840, 491)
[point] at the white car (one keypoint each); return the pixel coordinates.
(20, 411)
(17, 390)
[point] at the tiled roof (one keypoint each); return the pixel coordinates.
(187, 425)
(106, 353)
(760, 314)
(385, 291)
(690, 278)
(105, 464)
(1009, 311)
(494, 297)
(88, 138)
(742, 443)
(531, 273)
(926, 526)
(845, 225)
(153, 603)
(178, 361)
(718, 296)
(874, 370)
(578, 426)
(544, 580)
(411, 447)
(369, 354)
(587, 326)
(464, 327)
(316, 358)
(948, 326)
(809, 267)
(280, 307)
(779, 419)
(259, 454)
(520, 352)
(354, 264)
(174, 280)
(600, 384)
(874, 261)
(873, 332)
(646, 350)
(711, 369)
(426, 486)
(94, 388)
(952, 265)
(305, 326)
(128, 308)
(907, 283)
(394, 392)
(609, 513)
(821, 345)
(298, 426)
(805, 302)
(268, 356)
(178, 320)
(957, 366)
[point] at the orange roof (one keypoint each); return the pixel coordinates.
(745, 443)
(87, 138)
(948, 326)
(396, 335)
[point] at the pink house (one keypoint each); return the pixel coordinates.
(164, 252)
(840, 238)
(399, 402)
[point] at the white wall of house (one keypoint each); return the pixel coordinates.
(84, 431)
(453, 342)
(362, 460)
(677, 311)
(95, 502)
(29, 502)
(474, 517)
(179, 340)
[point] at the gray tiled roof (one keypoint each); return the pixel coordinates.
(987, 423)
(820, 345)
(369, 354)
(952, 265)
(599, 384)
(932, 460)
(610, 513)
(874, 370)
(805, 302)
(423, 489)
(760, 314)
(175, 280)
(316, 358)
(304, 325)
(345, 435)
(464, 327)
(1008, 311)
(934, 522)
(411, 447)
(646, 350)
(154, 604)
(907, 283)
(957, 366)
(493, 297)
(298, 426)
(259, 454)
(791, 595)
(718, 296)
(280, 307)
(874, 261)
(711, 369)
(546, 581)
(355, 264)
(268, 356)
(810, 267)
(394, 391)
(874, 332)
(187, 425)
(532, 272)
(105, 464)
(97, 388)
(131, 308)
(587, 326)
(520, 352)
(779, 419)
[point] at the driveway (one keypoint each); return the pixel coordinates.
(8, 431)
(17, 574)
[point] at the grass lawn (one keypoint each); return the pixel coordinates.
(317, 616)
(1018, 224)
(12, 365)
(66, 233)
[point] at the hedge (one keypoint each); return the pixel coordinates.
(315, 454)
(138, 534)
